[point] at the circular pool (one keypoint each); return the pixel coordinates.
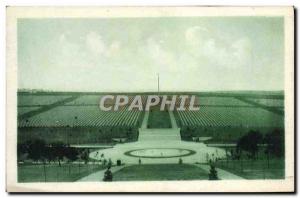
(159, 152)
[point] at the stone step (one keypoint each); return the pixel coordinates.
(159, 134)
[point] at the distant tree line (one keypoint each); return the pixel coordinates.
(38, 151)
(78, 135)
(272, 142)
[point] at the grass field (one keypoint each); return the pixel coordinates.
(55, 173)
(82, 116)
(159, 119)
(255, 169)
(159, 172)
(229, 116)
(28, 100)
(269, 102)
(224, 116)
(22, 110)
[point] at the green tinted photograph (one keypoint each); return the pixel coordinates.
(133, 99)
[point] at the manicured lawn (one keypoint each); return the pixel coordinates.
(158, 172)
(159, 119)
(55, 173)
(255, 169)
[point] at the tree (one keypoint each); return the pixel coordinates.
(59, 151)
(85, 156)
(71, 153)
(37, 150)
(49, 154)
(109, 163)
(213, 174)
(180, 161)
(275, 143)
(108, 175)
(22, 149)
(249, 142)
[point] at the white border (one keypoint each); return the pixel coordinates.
(166, 186)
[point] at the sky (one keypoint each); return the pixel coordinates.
(126, 54)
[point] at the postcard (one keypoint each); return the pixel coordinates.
(150, 99)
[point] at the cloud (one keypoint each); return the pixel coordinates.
(67, 51)
(189, 53)
(205, 44)
(203, 53)
(88, 53)
(242, 50)
(95, 44)
(113, 49)
(79, 55)
(162, 59)
(195, 35)
(97, 47)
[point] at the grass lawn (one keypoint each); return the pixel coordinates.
(55, 173)
(158, 172)
(255, 169)
(159, 119)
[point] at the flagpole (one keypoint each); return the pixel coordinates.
(157, 82)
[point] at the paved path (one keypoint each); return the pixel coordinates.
(166, 138)
(145, 120)
(173, 121)
(157, 134)
(222, 174)
(98, 176)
